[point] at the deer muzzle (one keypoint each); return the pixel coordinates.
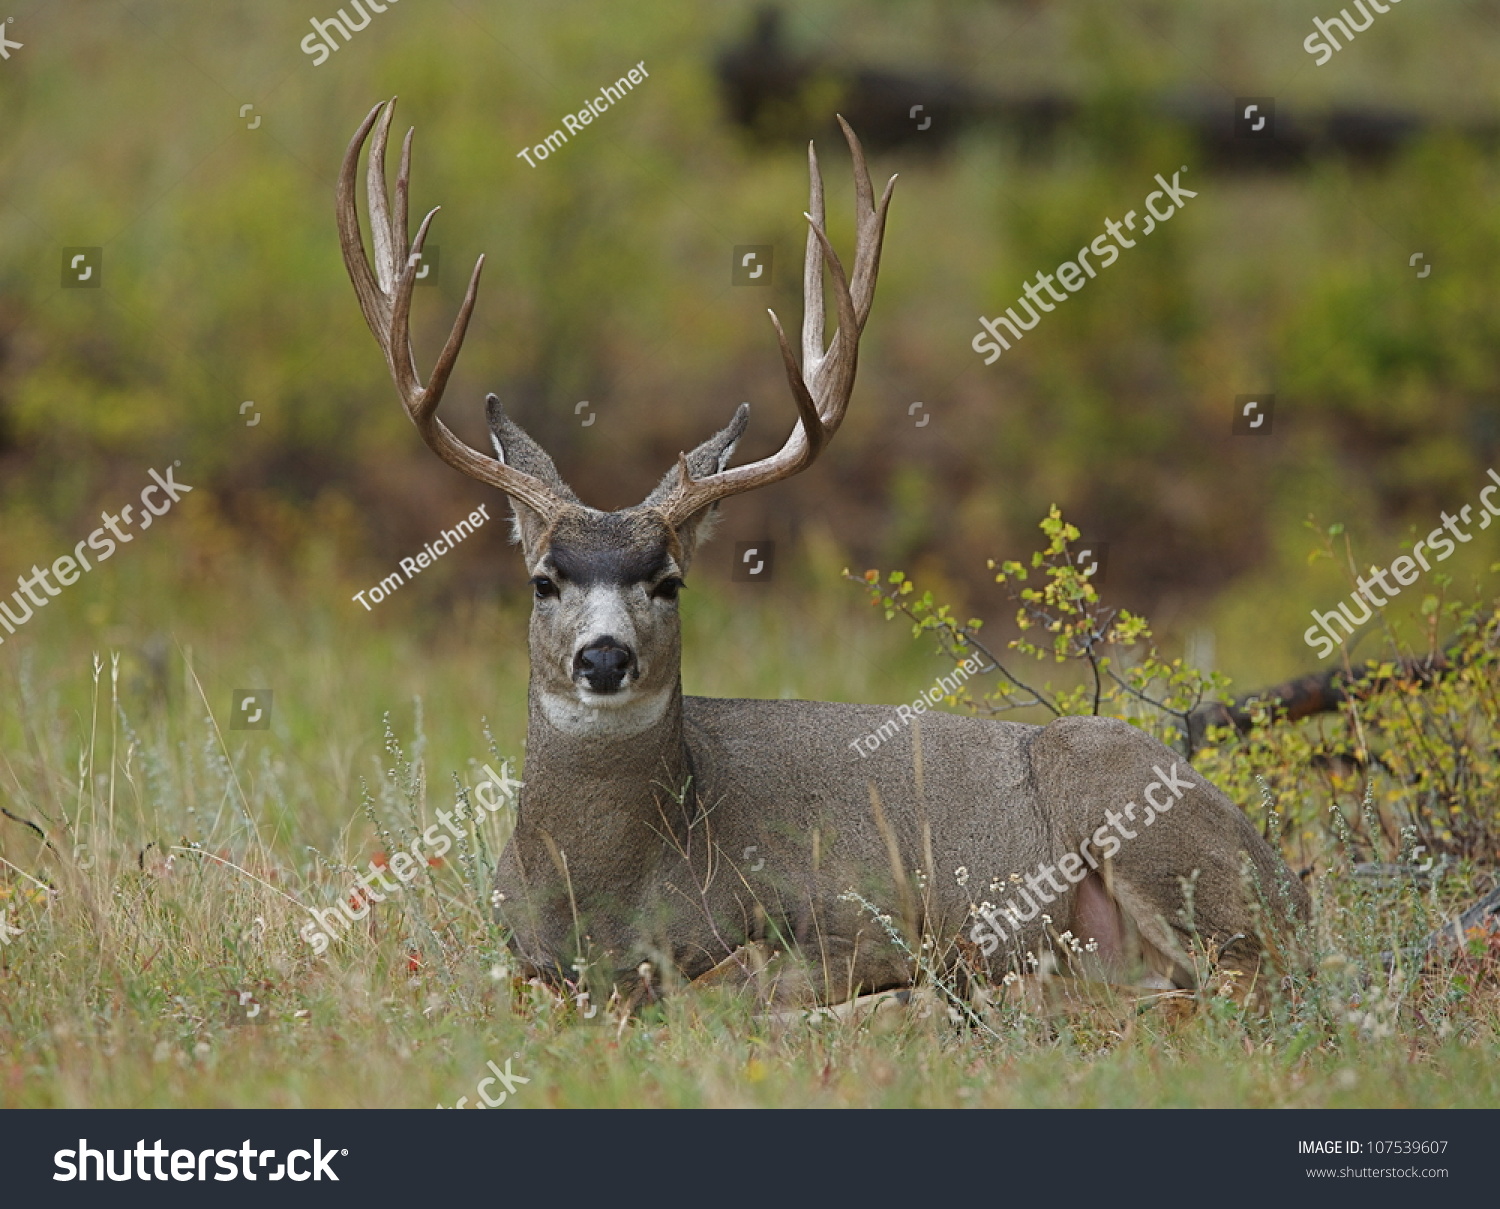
(604, 665)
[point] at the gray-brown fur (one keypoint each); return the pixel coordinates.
(659, 882)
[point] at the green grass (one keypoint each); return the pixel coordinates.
(165, 966)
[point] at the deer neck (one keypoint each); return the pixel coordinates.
(594, 772)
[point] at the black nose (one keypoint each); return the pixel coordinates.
(604, 663)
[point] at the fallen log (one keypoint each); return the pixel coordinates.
(1318, 693)
(1451, 935)
(778, 93)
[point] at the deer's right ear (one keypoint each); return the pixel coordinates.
(709, 458)
(515, 448)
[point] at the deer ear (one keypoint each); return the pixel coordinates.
(515, 448)
(709, 458)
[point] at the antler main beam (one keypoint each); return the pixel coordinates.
(822, 386)
(385, 298)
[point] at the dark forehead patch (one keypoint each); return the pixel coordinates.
(613, 548)
(585, 567)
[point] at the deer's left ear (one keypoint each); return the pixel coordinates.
(515, 448)
(709, 458)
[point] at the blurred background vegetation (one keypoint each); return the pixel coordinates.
(608, 280)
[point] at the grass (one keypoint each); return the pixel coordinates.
(164, 965)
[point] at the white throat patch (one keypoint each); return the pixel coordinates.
(616, 716)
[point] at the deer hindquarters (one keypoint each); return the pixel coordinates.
(1187, 875)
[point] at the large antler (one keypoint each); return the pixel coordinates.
(385, 299)
(822, 386)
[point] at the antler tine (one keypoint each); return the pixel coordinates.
(372, 302)
(821, 388)
(832, 392)
(871, 226)
(449, 356)
(403, 178)
(807, 438)
(420, 401)
(385, 252)
(812, 268)
(385, 294)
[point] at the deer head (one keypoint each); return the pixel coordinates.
(604, 628)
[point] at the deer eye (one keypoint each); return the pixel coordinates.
(545, 588)
(668, 588)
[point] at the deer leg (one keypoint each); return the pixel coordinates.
(1125, 955)
(776, 977)
(1096, 918)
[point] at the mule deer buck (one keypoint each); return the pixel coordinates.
(658, 836)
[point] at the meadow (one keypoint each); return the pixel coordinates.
(158, 861)
(163, 964)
